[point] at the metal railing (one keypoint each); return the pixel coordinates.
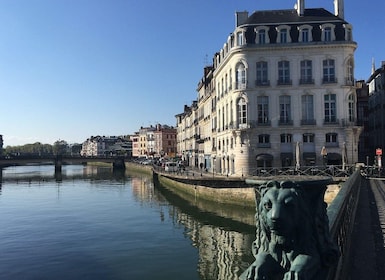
(330, 170)
(341, 213)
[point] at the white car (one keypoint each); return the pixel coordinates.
(171, 166)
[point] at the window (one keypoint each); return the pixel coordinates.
(352, 111)
(286, 138)
(262, 37)
(284, 72)
(328, 34)
(305, 35)
(261, 73)
(331, 139)
(307, 109)
(329, 71)
(306, 72)
(242, 113)
(240, 78)
(330, 108)
(239, 38)
(264, 139)
(231, 79)
(284, 110)
(283, 36)
(263, 109)
(349, 72)
(348, 32)
(308, 138)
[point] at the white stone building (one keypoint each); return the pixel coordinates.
(283, 79)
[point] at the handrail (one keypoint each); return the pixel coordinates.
(341, 213)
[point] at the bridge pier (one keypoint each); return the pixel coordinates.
(119, 164)
(58, 164)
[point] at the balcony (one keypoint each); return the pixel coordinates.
(284, 82)
(308, 122)
(306, 81)
(329, 80)
(284, 122)
(262, 83)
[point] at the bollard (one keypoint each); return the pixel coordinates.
(292, 237)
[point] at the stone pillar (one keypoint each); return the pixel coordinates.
(292, 237)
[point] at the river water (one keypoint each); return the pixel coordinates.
(92, 223)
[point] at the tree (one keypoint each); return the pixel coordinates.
(60, 147)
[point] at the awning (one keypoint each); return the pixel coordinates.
(265, 157)
(287, 156)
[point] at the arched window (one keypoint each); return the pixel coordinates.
(242, 113)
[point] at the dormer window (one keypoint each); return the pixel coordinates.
(328, 33)
(239, 38)
(262, 35)
(348, 32)
(283, 34)
(305, 33)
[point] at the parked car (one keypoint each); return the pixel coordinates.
(171, 166)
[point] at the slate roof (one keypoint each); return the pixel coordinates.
(291, 16)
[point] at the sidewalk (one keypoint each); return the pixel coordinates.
(363, 259)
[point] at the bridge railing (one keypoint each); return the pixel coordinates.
(341, 213)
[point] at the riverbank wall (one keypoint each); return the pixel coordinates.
(219, 190)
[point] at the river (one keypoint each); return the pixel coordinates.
(92, 223)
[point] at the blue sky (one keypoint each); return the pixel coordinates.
(71, 69)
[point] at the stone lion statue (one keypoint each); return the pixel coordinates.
(292, 238)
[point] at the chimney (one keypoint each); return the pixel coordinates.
(339, 8)
(240, 18)
(300, 6)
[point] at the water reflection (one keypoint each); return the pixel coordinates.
(224, 242)
(46, 173)
(222, 236)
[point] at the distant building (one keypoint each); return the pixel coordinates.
(282, 81)
(165, 141)
(365, 151)
(154, 141)
(107, 146)
(376, 108)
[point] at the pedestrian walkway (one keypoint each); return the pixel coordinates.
(367, 257)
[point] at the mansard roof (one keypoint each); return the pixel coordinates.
(271, 17)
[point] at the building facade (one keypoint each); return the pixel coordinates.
(154, 141)
(99, 146)
(376, 107)
(280, 91)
